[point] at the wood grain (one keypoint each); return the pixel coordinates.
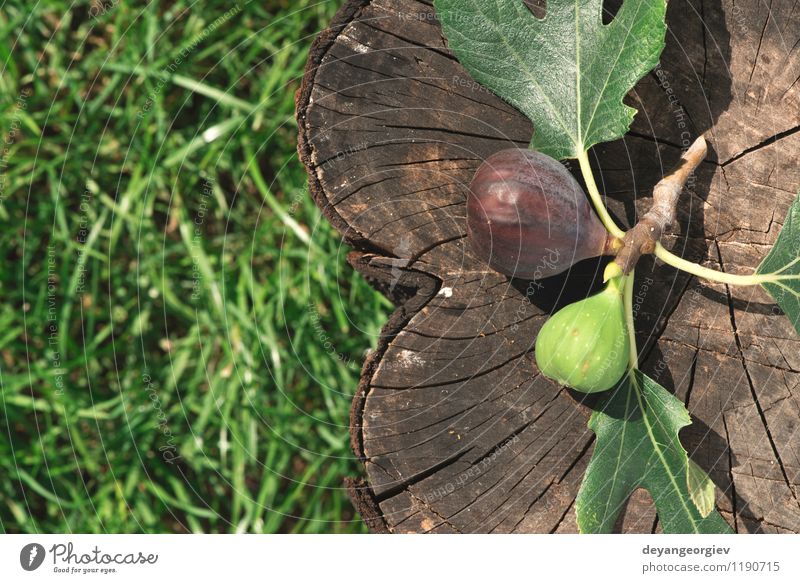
(456, 429)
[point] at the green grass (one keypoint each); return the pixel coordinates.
(179, 332)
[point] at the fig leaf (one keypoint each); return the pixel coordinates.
(567, 72)
(637, 446)
(784, 260)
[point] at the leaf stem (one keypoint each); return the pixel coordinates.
(719, 276)
(657, 447)
(597, 199)
(667, 256)
(633, 357)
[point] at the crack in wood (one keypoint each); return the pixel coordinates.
(762, 144)
(563, 516)
(753, 391)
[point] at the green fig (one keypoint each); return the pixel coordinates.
(585, 345)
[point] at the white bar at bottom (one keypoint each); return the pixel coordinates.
(388, 559)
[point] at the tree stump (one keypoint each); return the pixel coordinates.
(456, 429)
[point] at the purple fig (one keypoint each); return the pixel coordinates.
(528, 217)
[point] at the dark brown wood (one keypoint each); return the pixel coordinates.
(456, 429)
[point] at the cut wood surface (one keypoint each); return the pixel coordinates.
(457, 430)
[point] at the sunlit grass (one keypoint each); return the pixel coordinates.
(179, 332)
